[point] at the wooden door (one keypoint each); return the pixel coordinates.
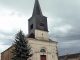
(43, 57)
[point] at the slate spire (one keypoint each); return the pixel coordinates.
(37, 9)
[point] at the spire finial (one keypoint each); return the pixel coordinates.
(37, 9)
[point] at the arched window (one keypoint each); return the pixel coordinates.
(42, 50)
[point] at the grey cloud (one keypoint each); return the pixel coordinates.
(7, 38)
(73, 34)
(5, 33)
(70, 50)
(18, 5)
(7, 41)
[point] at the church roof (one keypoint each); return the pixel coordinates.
(52, 41)
(37, 9)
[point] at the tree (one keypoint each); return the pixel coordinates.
(22, 50)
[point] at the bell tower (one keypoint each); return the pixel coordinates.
(37, 24)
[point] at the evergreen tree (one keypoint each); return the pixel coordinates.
(22, 49)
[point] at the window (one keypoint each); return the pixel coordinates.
(42, 50)
(31, 27)
(41, 24)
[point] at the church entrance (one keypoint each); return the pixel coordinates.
(43, 57)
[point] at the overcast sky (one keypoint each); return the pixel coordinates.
(63, 22)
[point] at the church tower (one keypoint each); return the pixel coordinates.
(43, 48)
(37, 24)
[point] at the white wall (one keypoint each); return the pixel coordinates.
(39, 34)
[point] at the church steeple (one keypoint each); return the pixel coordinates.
(37, 24)
(37, 9)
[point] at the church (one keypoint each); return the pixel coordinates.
(42, 47)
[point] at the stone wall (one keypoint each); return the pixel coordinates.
(50, 48)
(7, 55)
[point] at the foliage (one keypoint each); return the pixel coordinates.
(22, 49)
(57, 53)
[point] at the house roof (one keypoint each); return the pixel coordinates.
(70, 56)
